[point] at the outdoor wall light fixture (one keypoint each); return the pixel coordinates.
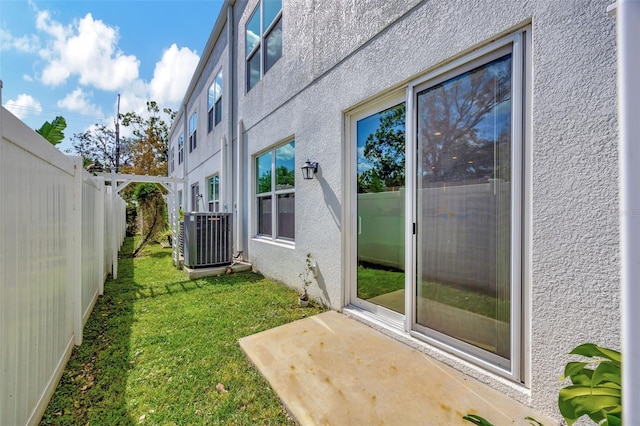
(309, 169)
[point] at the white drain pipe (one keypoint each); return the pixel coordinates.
(628, 37)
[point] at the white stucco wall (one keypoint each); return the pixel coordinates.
(333, 61)
(336, 58)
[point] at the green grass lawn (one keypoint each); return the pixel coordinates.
(161, 349)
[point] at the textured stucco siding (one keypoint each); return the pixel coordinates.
(337, 57)
(344, 54)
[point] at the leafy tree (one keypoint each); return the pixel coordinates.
(453, 138)
(54, 131)
(153, 211)
(98, 146)
(385, 151)
(285, 177)
(149, 148)
(264, 182)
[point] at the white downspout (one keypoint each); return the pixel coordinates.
(239, 188)
(628, 35)
(224, 193)
(232, 88)
(185, 156)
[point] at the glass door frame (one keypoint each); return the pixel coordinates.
(514, 44)
(518, 369)
(352, 230)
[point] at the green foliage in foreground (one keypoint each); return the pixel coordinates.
(481, 421)
(596, 386)
(53, 131)
(161, 349)
(595, 390)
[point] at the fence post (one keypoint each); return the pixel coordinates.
(100, 207)
(114, 231)
(76, 257)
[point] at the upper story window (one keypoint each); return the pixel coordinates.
(171, 163)
(214, 103)
(275, 192)
(214, 193)
(180, 149)
(193, 131)
(263, 40)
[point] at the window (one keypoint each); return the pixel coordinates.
(275, 193)
(213, 196)
(263, 40)
(171, 163)
(195, 197)
(180, 149)
(193, 131)
(214, 103)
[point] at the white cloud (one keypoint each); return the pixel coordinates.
(27, 43)
(78, 101)
(172, 75)
(88, 49)
(27, 77)
(23, 106)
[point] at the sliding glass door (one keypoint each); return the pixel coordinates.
(437, 190)
(463, 189)
(380, 154)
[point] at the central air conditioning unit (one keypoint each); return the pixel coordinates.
(207, 239)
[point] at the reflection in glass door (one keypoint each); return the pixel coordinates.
(380, 208)
(464, 209)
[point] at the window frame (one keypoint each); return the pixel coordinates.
(274, 194)
(260, 47)
(195, 196)
(193, 131)
(180, 149)
(213, 196)
(214, 102)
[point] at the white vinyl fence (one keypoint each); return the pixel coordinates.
(56, 248)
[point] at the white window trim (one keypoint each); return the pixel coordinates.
(193, 133)
(273, 194)
(210, 199)
(259, 48)
(180, 149)
(213, 108)
(196, 196)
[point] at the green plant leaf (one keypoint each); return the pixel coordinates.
(590, 350)
(607, 373)
(575, 401)
(477, 420)
(613, 420)
(573, 369)
(533, 421)
(54, 131)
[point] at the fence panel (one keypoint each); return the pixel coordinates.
(35, 294)
(53, 218)
(92, 247)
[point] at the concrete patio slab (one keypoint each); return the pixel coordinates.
(332, 370)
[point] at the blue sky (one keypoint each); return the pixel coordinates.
(72, 58)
